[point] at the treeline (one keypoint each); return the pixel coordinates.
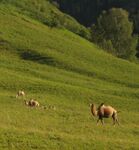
(87, 11)
(113, 24)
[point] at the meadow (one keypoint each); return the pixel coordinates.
(58, 67)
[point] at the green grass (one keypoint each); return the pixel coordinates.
(47, 13)
(60, 68)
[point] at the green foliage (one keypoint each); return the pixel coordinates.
(84, 32)
(87, 11)
(113, 31)
(52, 21)
(55, 3)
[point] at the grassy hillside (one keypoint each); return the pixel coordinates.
(48, 14)
(60, 68)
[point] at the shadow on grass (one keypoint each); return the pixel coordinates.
(31, 55)
(37, 57)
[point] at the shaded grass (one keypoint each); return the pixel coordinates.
(37, 57)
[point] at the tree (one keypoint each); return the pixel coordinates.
(87, 11)
(113, 31)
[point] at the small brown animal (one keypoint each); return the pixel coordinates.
(104, 112)
(32, 103)
(49, 107)
(20, 93)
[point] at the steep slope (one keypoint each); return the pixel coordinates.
(48, 14)
(60, 68)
